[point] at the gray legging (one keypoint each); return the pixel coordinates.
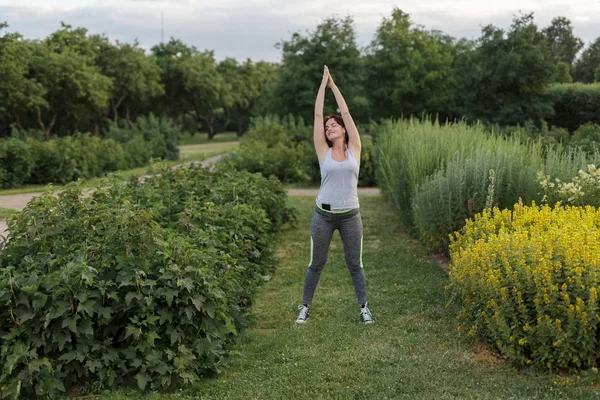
(350, 227)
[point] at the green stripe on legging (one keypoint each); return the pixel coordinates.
(312, 245)
(361, 247)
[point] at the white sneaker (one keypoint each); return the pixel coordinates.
(365, 315)
(303, 315)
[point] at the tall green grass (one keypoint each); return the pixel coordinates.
(408, 151)
(439, 175)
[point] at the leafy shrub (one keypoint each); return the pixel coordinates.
(587, 137)
(145, 138)
(145, 282)
(279, 160)
(16, 163)
(574, 104)
(67, 159)
(283, 147)
(527, 281)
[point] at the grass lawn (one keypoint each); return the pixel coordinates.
(6, 212)
(202, 138)
(413, 351)
(186, 153)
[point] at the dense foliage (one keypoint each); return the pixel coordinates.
(143, 282)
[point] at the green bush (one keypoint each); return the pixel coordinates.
(587, 137)
(574, 104)
(146, 138)
(145, 282)
(283, 147)
(280, 160)
(16, 163)
(66, 159)
(30, 159)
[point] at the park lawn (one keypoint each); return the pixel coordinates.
(202, 138)
(413, 351)
(6, 212)
(186, 153)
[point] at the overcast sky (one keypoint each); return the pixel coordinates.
(250, 28)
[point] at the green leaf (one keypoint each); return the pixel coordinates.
(71, 323)
(105, 313)
(93, 365)
(209, 308)
(197, 303)
(85, 327)
(169, 294)
(39, 302)
(175, 336)
(151, 337)
(165, 315)
(131, 330)
(61, 338)
(142, 380)
(86, 307)
(24, 317)
(130, 296)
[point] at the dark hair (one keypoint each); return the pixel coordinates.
(340, 121)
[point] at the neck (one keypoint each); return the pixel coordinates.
(339, 146)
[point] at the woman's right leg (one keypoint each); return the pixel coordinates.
(321, 231)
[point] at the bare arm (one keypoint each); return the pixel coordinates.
(319, 130)
(353, 135)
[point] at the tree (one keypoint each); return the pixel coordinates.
(136, 76)
(64, 64)
(587, 63)
(333, 43)
(169, 56)
(18, 91)
(410, 70)
(502, 80)
(562, 74)
(205, 92)
(247, 82)
(563, 44)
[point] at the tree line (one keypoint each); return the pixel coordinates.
(73, 81)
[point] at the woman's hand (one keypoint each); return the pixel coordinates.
(326, 76)
(330, 82)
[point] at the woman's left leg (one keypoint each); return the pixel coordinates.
(351, 232)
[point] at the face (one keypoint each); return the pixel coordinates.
(333, 130)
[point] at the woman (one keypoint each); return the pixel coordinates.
(337, 144)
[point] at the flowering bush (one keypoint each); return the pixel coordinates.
(584, 189)
(527, 280)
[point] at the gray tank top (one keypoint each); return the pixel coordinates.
(339, 180)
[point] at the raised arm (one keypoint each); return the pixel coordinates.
(319, 130)
(353, 135)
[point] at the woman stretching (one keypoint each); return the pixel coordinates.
(337, 144)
